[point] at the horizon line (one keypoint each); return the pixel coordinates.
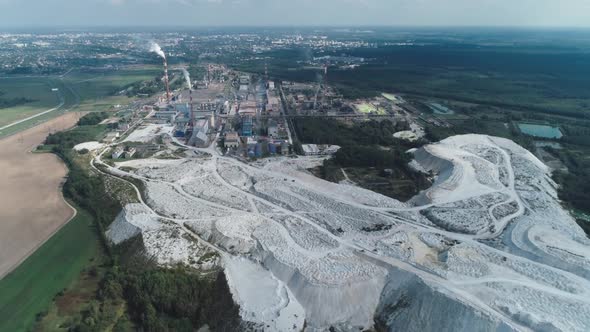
(286, 26)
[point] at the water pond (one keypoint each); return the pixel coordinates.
(538, 130)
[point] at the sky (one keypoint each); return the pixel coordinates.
(546, 13)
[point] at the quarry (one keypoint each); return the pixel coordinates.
(293, 178)
(488, 245)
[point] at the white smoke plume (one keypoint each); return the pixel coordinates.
(154, 47)
(187, 77)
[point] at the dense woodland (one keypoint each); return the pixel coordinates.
(179, 300)
(67, 140)
(509, 77)
(93, 118)
(329, 131)
(369, 146)
(148, 88)
(575, 183)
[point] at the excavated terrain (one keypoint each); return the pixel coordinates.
(487, 248)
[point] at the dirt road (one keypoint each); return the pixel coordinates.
(32, 207)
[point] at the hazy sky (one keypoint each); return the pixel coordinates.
(568, 13)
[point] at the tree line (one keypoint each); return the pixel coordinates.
(93, 118)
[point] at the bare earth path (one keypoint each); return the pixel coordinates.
(32, 207)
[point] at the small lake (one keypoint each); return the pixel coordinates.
(440, 109)
(537, 130)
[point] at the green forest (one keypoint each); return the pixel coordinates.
(370, 151)
(93, 118)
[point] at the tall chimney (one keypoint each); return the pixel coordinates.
(166, 80)
(208, 74)
(192, 124)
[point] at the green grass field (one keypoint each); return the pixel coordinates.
(81, 92)
(38, 89)
(70, 104)
(30, 288)
(90, 85)
(367, 108)
(98, 90)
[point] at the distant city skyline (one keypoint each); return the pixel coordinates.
(515, 13)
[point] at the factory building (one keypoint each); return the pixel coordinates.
(181, 126)
(130, 153)
(110, 137)
(273, 128)
(166, 115)
(183, 108)
(199, 135)
(232, 140)
(247, 126)
(284, 148)
(118, 152)
(245, 79)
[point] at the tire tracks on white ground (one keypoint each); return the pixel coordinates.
(440, 283)
(430, 278)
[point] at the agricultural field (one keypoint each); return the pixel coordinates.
(77, 91)
(45, 232)
(30, 180)
(68, 102)
(49, 270)
(31, 96)
(101, 90)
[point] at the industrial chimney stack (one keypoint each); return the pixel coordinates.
(192, 124)
(166, 81)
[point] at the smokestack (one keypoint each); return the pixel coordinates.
(266, 84)
(192, 109)
(154, 47)
(208, 74)
(166, 80)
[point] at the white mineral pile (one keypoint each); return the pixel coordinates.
(148, 133)
(487, 248)
(90, 146)
(166, 241)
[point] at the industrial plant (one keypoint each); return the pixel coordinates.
(246, 121)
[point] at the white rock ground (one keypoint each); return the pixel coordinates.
(487, 248)
(90, 146)
(146, 133)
